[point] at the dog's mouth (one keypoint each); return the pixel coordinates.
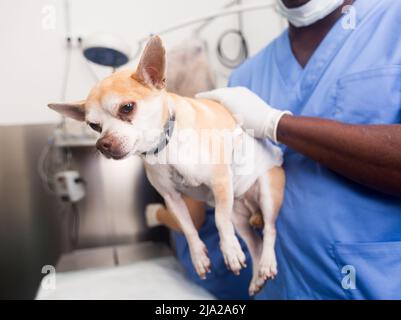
(115, 156)
(119, 157)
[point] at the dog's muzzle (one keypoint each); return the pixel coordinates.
(110, 147)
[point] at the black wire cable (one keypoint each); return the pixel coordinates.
(242, 54)
(74, 226)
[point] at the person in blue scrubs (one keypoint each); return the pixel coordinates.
(339, 229)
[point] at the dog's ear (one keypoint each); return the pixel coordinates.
(75, 110)
(151, 70)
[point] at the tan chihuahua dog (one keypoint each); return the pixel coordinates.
(192, 147)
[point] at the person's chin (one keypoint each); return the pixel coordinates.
(294, 3)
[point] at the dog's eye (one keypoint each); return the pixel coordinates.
(127, 108)
(95, 126)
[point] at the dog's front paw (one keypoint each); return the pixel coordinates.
(234, 257)
(268, 265)
(201, 261)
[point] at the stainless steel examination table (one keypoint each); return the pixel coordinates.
(141, 271)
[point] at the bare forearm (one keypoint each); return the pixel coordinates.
(367, 154)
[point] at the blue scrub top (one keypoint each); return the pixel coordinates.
(336, 239)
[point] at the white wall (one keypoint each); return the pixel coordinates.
(32, 51)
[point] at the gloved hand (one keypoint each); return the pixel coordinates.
(249, 110)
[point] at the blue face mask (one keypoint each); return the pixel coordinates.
(309, 13)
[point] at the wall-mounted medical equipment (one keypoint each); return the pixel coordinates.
(243, 52)
(61, 178)
(231, 9)
(69, 185)
(106, 50)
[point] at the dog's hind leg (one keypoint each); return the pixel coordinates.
(252, 240)
(271, 186)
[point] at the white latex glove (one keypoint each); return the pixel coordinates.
(249, 110)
